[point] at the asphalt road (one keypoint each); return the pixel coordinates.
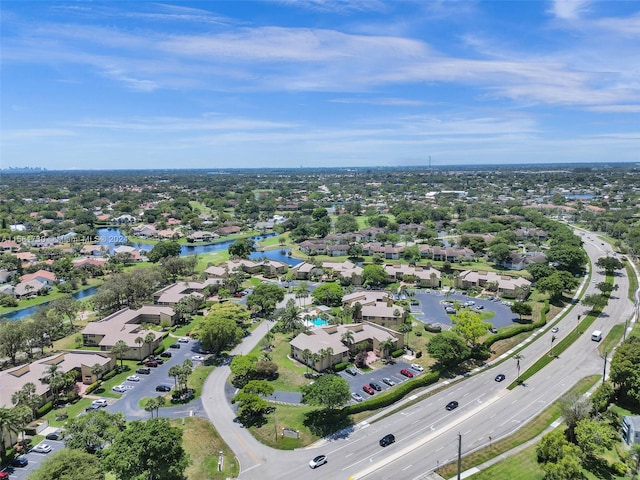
(427, 434)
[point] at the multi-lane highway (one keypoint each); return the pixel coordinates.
(427, 434)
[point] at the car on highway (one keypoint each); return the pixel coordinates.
(183, 340)
(555, 330)
(55, 435)
(388, 439)
(318, 461)
(197, 358)
(388, 381)
(20, 461)
(357, 397)
(133, 378)
(500, 377)
(143, 371)
(351, 371)
(406, 373)
(163, 388)
(375, 386)
(368, 389)
(42, 448)
(417, 368)
(452, 405)
(174, 345)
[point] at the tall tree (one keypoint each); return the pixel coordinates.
(94, 431)
(119, 349)
(217, 332)
(448, 348)
(147, 450)
(69, 464)
(328, 391)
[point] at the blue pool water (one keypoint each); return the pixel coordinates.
(319, 322)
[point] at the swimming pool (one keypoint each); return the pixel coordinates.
(318, 322)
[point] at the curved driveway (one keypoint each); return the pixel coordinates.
(427, 435)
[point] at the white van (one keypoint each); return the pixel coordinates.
(596, 336)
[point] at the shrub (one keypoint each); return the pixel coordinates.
(93, 386)
(44, 409)
(159, 350)
(619, 468)
(419, 354)
(109, 375)
(418, 333)
(432, 328)
(338, 367)
(397, 353)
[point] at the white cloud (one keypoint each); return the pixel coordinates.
(569, 9)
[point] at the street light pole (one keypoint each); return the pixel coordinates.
(604, 370)
(275, 426)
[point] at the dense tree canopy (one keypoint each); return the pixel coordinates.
(264, 298)
(162, 250)
(329, 294)
(218, 332)
(69, 464)
(147, 450)
(94, 431)
(328, 391)
(449, 348)
(242, 248)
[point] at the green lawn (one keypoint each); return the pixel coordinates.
(521, 466)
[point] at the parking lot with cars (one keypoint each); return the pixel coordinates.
(366, 384)
(23, 465)
(432, 307)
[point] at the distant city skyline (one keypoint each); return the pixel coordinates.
(314, 83)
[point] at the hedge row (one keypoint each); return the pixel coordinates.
(522, 328)
(92, 387)
(44, 409)
(338, 367)
(109, 375)
(393, 395)
(397, 353)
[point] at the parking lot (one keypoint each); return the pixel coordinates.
(34, 459)
(431, 309)
(391, 371)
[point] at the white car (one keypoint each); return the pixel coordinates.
(183, 340)
(133, 378)
(417, 367)
(42, 448)
(357, 397)
(555, 330)
(120, 389)
(318, 461)
(197, 358)
(99, 403)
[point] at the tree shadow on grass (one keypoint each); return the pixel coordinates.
(325, 422)
(598, 467)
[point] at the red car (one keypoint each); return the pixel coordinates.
(368, 389)
(406, 373)
(151, 363)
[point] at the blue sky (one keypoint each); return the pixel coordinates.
(313, 83)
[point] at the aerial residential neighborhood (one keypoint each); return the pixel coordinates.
(339, 239)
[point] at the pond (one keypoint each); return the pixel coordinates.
(25, 312)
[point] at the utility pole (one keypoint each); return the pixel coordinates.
(604, 370)
(459, 455)
(275, 426)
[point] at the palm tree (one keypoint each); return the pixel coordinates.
(357, 312)
(289, 316)
(405, 328)
(518, 357)
(23, 416)
(149, 338)
(174, 372)
(139, 341)
(386, 346)
(306, 356)
(27, 396)
(150, 406)
(119, 350)
(97, 370)
(9, 424)
(348, 338)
